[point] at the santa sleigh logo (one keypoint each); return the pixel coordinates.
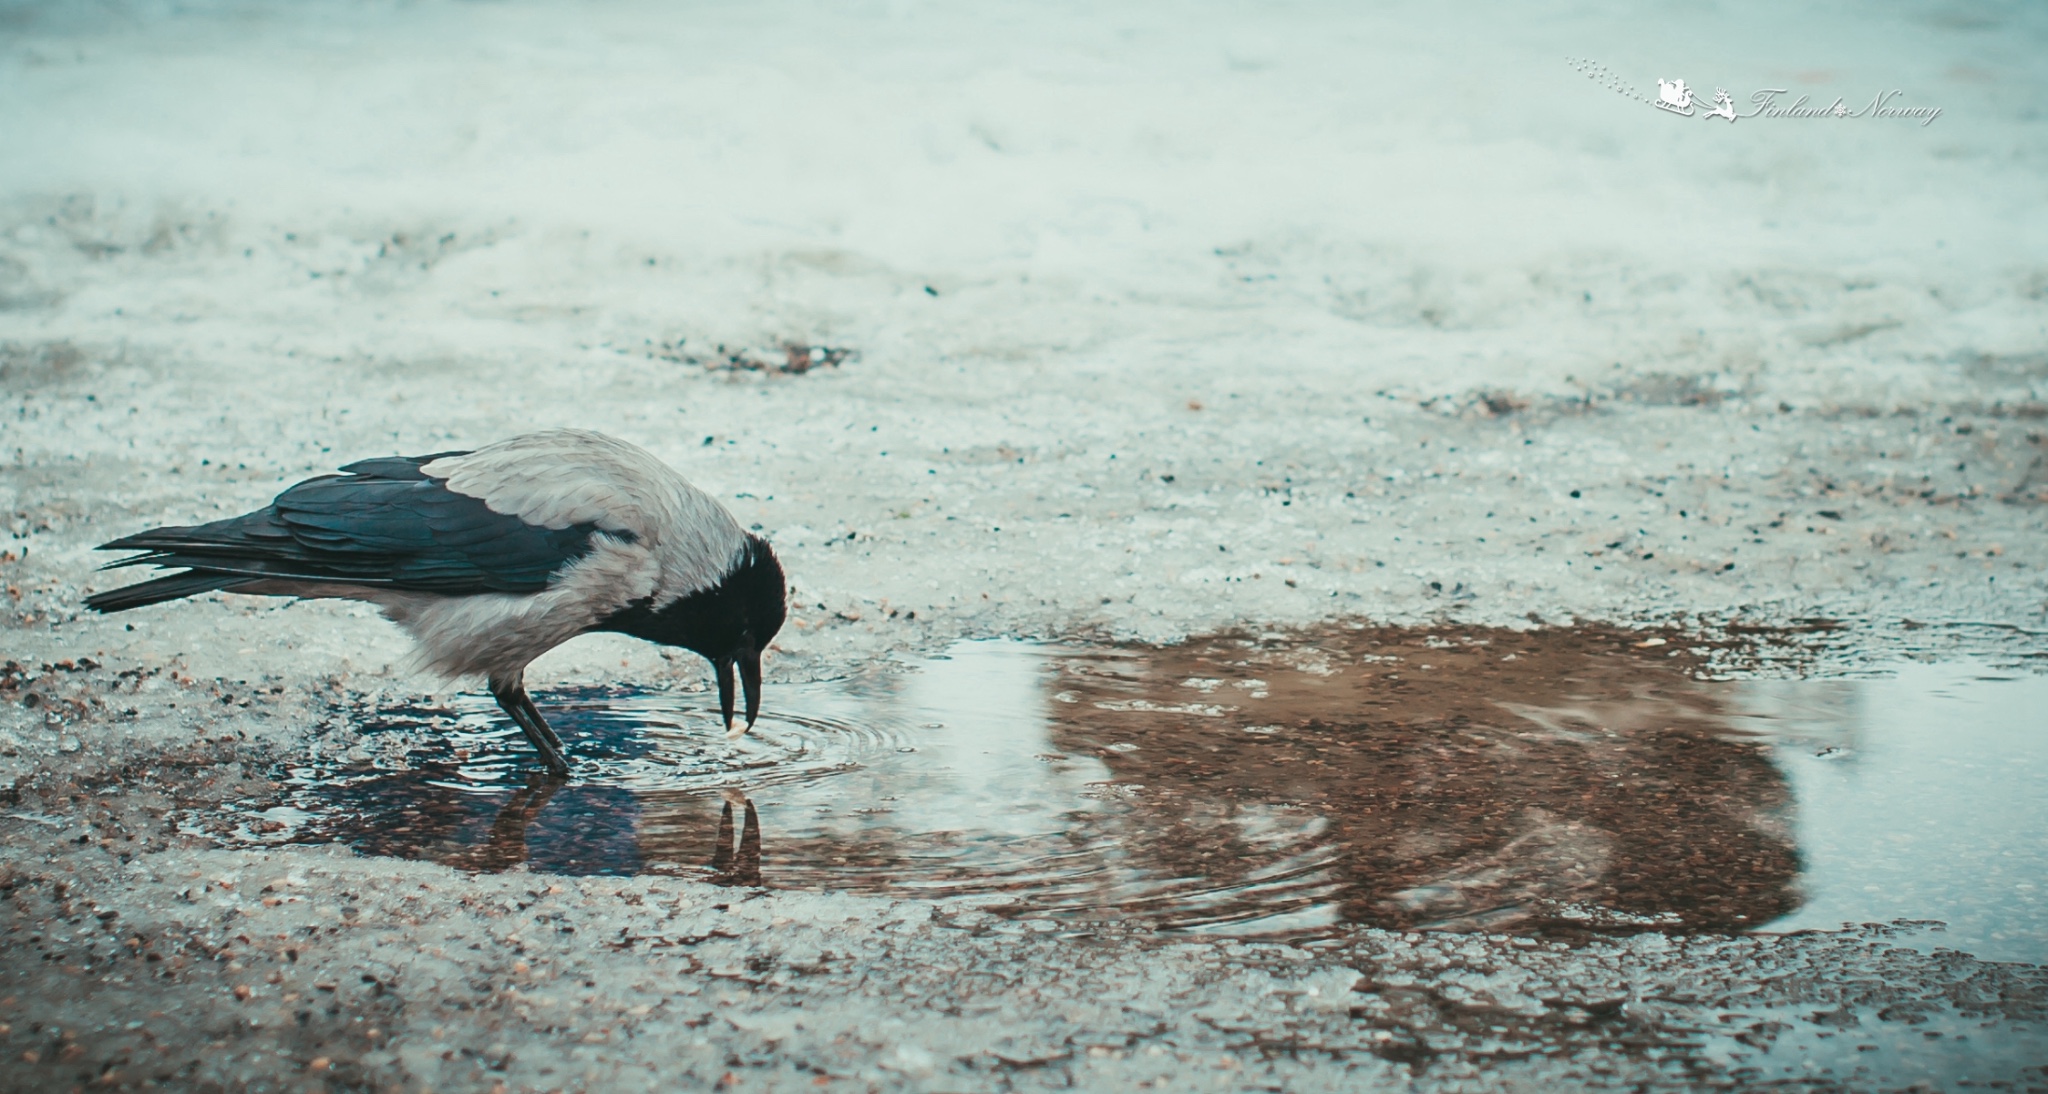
(1674, 96)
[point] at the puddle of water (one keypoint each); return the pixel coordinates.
(1557, 781)
(1920, 796)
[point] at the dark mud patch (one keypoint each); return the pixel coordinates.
(1559, 782)
(782, 359)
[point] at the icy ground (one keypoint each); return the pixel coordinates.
(1158, 319)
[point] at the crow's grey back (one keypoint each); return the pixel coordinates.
(563, 478)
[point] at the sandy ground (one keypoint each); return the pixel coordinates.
(1156, 321)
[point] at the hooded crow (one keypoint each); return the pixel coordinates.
(493, 557)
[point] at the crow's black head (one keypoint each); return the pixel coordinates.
(730, 623)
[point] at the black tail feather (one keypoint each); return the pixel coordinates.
(158, 590)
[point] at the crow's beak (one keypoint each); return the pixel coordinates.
(724, 667)
(749, 663)
(750, 681)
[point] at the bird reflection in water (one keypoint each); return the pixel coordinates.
(732, 861)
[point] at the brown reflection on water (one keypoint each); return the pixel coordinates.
(1469, 778)
(1446, 778)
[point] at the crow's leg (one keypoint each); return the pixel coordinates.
(511, 694)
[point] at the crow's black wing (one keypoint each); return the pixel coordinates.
(381, 523)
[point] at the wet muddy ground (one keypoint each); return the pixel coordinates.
(1301, 860)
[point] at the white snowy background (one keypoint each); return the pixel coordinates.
(1167, 317)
